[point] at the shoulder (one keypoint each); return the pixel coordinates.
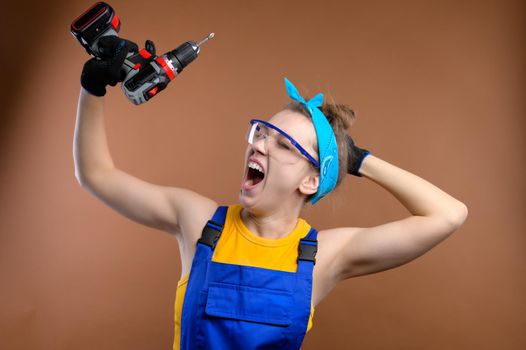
(193, 219)
(197, 213)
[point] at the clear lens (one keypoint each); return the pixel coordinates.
(278, 146)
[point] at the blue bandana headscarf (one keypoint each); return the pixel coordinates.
(327, 147)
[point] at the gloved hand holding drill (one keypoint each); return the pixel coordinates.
(142, 73)
(106, 70)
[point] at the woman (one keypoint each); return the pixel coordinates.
(253, 272)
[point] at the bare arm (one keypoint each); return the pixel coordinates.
(435, 216)
(152, 205)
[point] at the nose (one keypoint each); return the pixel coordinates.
(260, 145)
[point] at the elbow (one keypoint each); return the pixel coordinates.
(89, 177)
(458, 215)
(83, 179)
(79, 176)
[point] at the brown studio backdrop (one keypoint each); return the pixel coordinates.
(438, 87)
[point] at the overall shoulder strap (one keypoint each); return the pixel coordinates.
(213, 228)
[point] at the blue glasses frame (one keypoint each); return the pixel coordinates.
(294, 142)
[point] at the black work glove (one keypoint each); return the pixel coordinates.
(355, 157)
(99, 72)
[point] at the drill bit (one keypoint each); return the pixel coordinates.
(208, 37)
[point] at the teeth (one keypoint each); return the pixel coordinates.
(255, 166)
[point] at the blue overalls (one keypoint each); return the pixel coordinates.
(229, 306)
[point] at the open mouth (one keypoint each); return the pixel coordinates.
(255, 174)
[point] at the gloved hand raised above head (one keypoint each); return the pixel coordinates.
(355, 157)
(99, 72)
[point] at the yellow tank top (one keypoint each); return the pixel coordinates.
(239, 246)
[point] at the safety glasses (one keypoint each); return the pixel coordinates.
(280, 144)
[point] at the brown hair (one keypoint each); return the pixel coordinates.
(340, 117)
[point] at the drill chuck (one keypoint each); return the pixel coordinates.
(184, 55)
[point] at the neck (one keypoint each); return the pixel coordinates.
(274, 224)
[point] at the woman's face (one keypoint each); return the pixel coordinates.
(282, 171)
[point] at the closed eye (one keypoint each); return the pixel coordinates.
(284, 144)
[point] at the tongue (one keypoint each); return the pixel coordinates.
(248, 184)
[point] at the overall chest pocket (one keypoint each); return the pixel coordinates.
(250, 304)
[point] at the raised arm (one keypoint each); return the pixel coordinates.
(152, 205)
(435, 216)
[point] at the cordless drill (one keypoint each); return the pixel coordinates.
(146, 74)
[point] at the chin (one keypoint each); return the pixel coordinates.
(242, 201)
(247, 202)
